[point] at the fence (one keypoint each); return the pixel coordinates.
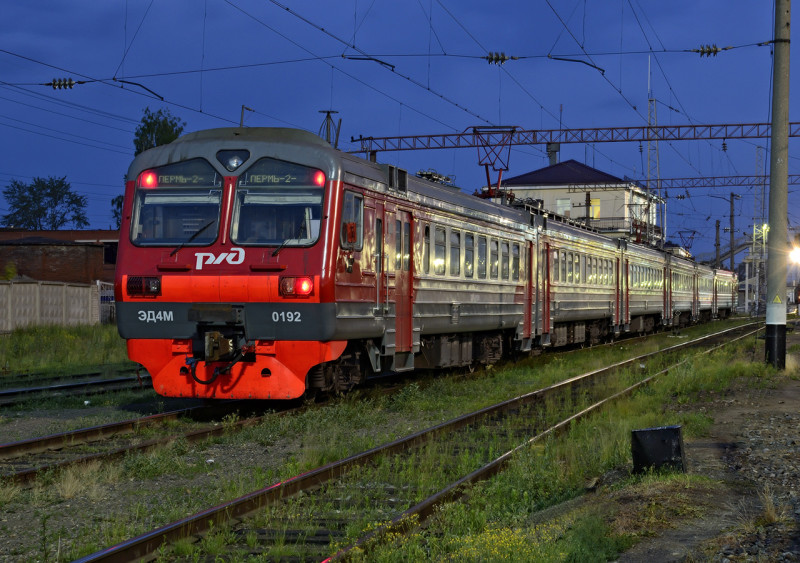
(24, 303)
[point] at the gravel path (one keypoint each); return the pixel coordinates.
(754, 450)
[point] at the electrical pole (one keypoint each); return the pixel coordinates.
(733, 196)
(775, 343)
(716, 246)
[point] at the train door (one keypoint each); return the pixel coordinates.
(403, 268)
(381, 285)
(666, 314)
(543, 271)
(626, 294)
(530, 291)
(714, 297)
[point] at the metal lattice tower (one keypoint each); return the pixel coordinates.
(653, 167)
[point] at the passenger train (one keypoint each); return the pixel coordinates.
(262, 263)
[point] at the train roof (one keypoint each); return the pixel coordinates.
(277, 142)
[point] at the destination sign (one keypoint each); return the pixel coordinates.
(272, 172)
(190, 173)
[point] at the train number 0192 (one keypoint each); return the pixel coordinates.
(286, 317)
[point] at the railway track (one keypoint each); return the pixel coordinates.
(314, 515)
(23, 461)
(13, 396)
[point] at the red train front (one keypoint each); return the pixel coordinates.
(227, 246)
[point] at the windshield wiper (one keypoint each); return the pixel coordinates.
(285, 241)
(196, 234)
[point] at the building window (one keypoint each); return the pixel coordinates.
(563, 206)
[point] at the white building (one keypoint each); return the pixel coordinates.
(615, 206)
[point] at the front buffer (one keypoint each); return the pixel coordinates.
(269, 370)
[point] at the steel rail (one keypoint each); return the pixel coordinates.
(411, 518)
(91, 387)
(84, 435)
(146, 544)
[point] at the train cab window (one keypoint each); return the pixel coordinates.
(279, 203)
(469, 254)
(455, 253)
(482, 258)
(504, 260)
(398, 245)
(493, 269)
(406, 247)
(515, 262)
(426, 250)
(352, 233)
(177, 204)
(440, 251)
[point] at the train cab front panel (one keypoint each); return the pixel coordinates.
(221, 286)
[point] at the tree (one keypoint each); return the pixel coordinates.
(156, 129)
(116, 209)
(44, 204)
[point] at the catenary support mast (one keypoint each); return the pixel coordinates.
(775, 343)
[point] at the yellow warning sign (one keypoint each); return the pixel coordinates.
(777, 299)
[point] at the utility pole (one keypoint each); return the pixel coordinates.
(716, 246)
(733, 197)
(775, 342)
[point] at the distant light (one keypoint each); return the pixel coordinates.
(794, 255)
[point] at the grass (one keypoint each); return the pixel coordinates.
(57, 349)
(498, 521)
(176, 481)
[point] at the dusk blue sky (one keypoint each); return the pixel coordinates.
(207, 58)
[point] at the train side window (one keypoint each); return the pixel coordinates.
(398, 245)
(564, 266)
(504, 260)
(555, 266)
(482, 258)
(578, 262)
(469, 254)
(440, 249)
(378, 246)
(352, 234)
(406, 247)
(515, 262)
(426, 250)
(570, 275)
(493, 270)
(455, 253)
